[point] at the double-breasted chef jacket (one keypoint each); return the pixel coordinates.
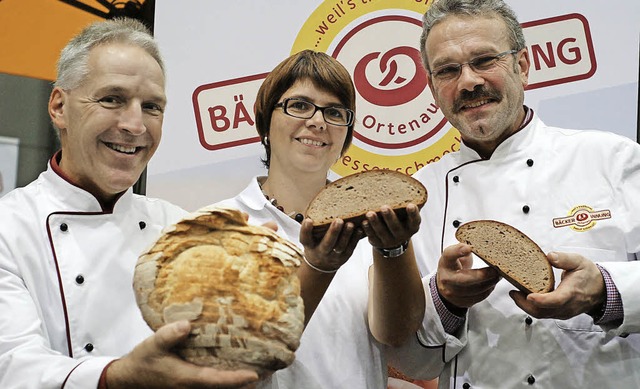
(67, 306)
(570, 191)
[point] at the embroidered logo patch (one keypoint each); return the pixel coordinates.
(581, 218)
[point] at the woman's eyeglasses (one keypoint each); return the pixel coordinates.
(303, 109)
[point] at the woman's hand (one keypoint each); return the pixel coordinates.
(335, 247)
(323, 258)
(386, 230)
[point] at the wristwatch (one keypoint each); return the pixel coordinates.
(393, 251)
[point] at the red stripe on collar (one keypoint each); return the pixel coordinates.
(55, 166)
(528, 115)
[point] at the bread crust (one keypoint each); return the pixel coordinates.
(351, 197)
(235, 282)
(512, 253)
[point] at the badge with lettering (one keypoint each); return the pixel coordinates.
(581, 218)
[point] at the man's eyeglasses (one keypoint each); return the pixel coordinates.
(481, 64)
(303, 109)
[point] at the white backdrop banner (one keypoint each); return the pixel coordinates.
(584, 74)
(8, 163)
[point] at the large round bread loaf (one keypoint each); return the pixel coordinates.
(516, 257)
(351, 197)
(235, 282)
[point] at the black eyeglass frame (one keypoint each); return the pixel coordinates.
(283, 104)
(458, 66)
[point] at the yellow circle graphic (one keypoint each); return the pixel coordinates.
(331, 17)
(331, 21)
(582, 216)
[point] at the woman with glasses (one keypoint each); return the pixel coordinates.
(305, 114)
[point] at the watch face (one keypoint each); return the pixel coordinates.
(395, 251)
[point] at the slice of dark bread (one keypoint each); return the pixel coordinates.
(516, 257)
(351, 197)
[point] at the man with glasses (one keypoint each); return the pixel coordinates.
(575, 193)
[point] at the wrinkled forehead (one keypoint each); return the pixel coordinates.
(464, 35)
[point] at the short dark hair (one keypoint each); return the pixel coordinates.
(324, 71)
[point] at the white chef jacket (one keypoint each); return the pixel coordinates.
(570, 191)
(67, 306)
(336, 348)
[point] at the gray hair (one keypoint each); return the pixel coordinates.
(440, 9)
(73, 67)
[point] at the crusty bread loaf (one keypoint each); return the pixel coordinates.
(351, 197)
(516, 257)
(235, 282)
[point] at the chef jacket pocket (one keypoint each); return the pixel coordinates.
(583, 322)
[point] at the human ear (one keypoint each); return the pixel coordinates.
(57, 101)
(523, 66)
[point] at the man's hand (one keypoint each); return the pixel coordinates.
(460, 285)
(151, 364)
(581, 290)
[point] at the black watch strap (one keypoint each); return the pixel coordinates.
(393, 252)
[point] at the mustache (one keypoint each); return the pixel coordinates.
(478, 93)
